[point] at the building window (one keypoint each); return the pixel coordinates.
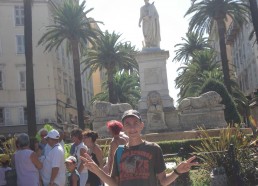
(23, 115)
(71, 90)
(59, 81)
(1, 80)
(20, 47)
(22, 80)
(63, 56)
(1, 116)
(19, 15)
(1, 50)
(66, 91)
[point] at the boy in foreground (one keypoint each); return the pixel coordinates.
(141, 162)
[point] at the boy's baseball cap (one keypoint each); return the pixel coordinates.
(53, 134)
(71, 159)
(131, 112)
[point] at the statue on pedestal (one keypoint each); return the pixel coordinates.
(150, 25)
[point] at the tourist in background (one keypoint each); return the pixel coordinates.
(73, 175)
(80, 150)
(115, 128)
(4, 166)
(26, 163)
(43, 141)
(53, 171)
(89, 139)
(62, 136)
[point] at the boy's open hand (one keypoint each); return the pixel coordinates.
(185, 166)
(89, 163)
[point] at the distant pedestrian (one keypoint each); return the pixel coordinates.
(43, 141)
(94, 150)
(53, 171)
(80, 150)
(62, 136)
(73, 175)
(26, 163)
(4, 160)
(114, 127)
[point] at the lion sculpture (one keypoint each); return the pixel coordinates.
(206, 100)
(104, 109)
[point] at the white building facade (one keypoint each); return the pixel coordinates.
(53, 72)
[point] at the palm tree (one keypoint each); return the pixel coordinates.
(30, 94)
(193, 75)
(192, 43)
(127, 89)
(112, 55)
(73, 26)
(208, 12)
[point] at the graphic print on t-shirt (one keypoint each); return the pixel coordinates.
(135, 165)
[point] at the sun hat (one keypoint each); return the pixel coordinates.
(131, 112)
(53, 134)
(71, 159)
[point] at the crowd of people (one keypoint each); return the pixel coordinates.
(139, 163)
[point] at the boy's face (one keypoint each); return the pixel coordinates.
(70, 166)
(133, 126)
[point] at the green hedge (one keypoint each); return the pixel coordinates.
(172, 147)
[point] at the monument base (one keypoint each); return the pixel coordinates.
(207, 118)
(156, 121)
(153, 76)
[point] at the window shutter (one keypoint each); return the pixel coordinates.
(37, 115)
(21, 114)
(7, 116)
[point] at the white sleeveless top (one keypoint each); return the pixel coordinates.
(27, 173)
(77, 155)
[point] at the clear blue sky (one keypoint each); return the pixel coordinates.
(122, 16)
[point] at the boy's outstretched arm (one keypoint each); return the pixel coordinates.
(185, 166)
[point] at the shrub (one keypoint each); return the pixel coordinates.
(231, 114)
(231, 151)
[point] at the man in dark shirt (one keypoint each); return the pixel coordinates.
(141, 162)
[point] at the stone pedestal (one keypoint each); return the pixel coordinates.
(153, 77)
(205, 117)
(156, 121)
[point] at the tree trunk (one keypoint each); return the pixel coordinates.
(254, 14)
(30, 95)
(223, 54)
(78, 84)
(112, 98)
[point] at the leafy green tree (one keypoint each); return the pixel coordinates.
(112, 55)
(192, 43)
(193, 75)
(206, 13)
(127, 89)
(30, 93)
(220, 155)
(73, 26)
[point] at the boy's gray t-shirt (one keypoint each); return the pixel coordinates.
(139, 165)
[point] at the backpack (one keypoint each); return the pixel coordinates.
(119, 152)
